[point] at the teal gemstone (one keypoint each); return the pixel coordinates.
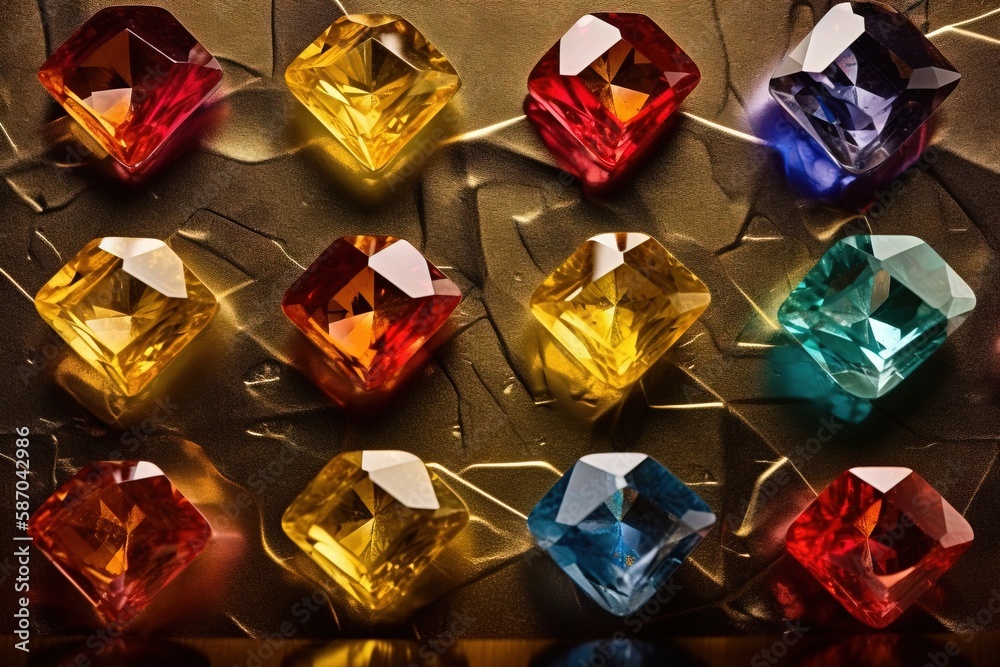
(874, 308)
(619, 525)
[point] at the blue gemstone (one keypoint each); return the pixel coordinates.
(874, 308)
(862, 82)
(619, 525)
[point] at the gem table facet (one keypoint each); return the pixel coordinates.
(127, 306)
(874, 308)
(120, 531)
(878, 539)
(862, 82)
(602, 95)
(131, 76)
(619, 525)
(370, 303)
(618, 303)
(373, 520)
(374, 81)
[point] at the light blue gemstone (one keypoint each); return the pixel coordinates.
(619, 525)
(874, 308)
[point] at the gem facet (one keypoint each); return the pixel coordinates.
(131, 76)
(619, 525)
(373, 520)
(862, 82)
(120, 531)
(370, 302)
(127, 306)
(601, 96)
(878, 539)
(618, 303)
(874, 308)
(374, 81)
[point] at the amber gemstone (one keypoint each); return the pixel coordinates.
(618, 303)
(374, 520)
(127, 306)
(120, 531)
(131, 76)
(374, 81)
(370, 302)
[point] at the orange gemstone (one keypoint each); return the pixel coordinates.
(602, 96)
(131, 76)
(120, 531)
(370, 303)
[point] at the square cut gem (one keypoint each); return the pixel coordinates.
(373, 521)
(374, 81)
(878, 539)
(127, 306)
(874, 308)
(620, 524)
(370, 303)
(131, 76)
(618, 304)
(120, 531)
(600, 97)
(862, 82)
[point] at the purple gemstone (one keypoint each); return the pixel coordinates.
(862, 82)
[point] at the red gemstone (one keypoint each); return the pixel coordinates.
(602, 95)
(878, 539)
(131, 76)
(370, 303)
(120, 531)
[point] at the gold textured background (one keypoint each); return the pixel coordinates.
(498, 411)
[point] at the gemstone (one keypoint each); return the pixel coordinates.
(862, 82)
(373, 520)
(601, 96)
(120, 531)
(619, 525)
(874, 308)
(369, 303)
(131, 76)
(374, 81)
(618, 303)
(127, 307)
(878, 539)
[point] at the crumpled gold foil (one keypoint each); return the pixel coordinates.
(735, 409)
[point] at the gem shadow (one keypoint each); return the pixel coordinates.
(361, 184)
(570, 154)
(68, 145)
(813, 174)
(572, 388)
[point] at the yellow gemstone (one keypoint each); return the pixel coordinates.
(373, 520)
(618, 303)
(127, 307)
(374, 81)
